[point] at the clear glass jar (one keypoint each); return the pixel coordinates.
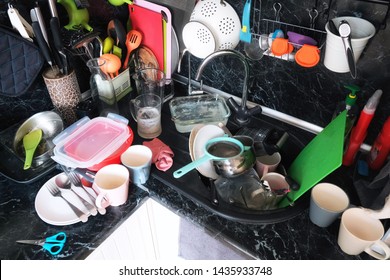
(102, 88)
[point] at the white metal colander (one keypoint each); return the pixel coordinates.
(222, 20)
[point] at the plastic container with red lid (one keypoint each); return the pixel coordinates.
(89, 142)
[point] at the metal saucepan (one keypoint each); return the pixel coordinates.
(51, 125)
(220, 149)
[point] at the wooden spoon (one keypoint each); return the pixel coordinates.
(133, 41)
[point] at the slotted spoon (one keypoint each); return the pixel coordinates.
(133, 41)
(30, 142)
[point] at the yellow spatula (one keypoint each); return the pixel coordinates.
(30, 142)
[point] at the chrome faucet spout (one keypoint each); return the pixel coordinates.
(242, 112)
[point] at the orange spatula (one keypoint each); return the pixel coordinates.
(133, 41)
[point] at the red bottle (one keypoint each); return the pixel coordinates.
(359, 131)
(381, 147)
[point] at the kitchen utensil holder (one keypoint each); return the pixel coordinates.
(261, 28)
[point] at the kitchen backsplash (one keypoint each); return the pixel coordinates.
(310, 94)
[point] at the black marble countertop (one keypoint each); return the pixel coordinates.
(296, 238)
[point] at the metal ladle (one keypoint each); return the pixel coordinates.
(253, 50)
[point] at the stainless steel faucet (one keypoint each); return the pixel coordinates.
(190, 90)
(243, 114)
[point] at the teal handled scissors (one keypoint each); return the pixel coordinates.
(53, 244)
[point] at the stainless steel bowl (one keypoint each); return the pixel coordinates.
(51, 125)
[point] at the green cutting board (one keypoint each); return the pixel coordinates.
(318, 159)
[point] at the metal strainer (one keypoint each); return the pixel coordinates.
(221, 19)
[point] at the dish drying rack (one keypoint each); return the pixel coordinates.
(261, 28)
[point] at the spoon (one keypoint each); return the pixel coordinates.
(133, 41)
(116, 31)
(76, 181)
(63, 182)
(30, 142)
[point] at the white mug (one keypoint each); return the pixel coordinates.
(112, 185)
(138, 160)
(359, 231)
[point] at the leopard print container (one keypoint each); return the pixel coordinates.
(64, 92)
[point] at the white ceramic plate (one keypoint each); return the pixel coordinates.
(54, 210)
(204, 134)
(175, 51)
(191, 140)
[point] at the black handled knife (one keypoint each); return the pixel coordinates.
(57, 40)
(42, 43)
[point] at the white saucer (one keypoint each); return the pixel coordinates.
(54, 210)
(204, 134)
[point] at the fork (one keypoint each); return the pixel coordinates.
(75, 180)
(56, 192)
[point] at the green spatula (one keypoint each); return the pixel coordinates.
(30, 143)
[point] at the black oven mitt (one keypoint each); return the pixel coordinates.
(20, 63)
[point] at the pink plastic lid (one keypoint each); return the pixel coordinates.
(89, 142)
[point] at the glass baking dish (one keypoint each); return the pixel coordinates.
(188, 111)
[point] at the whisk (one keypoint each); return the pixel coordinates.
(87, 45)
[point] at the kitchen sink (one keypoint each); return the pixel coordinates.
(198, 188)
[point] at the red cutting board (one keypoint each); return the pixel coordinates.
(150, 24)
